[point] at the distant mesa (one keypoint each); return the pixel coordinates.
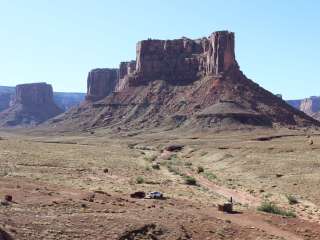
(34, 94)
(32, 104)
(310, 106)
(64, 100)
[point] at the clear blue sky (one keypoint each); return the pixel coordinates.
(59, 41)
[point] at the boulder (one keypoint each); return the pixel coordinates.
(4, 235)
(138, 194)
(174, 147)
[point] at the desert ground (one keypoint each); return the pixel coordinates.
(78, 185)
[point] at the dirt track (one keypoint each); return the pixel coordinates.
(60, 190)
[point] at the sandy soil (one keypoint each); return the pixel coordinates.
(78, 186)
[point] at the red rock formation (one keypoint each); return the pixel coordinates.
(182, 61)
(125, 69)
(33, 94)
(100, 83)
(32, 104)
(220, 53)
(194, 83)
(310, 105)
(179, 62)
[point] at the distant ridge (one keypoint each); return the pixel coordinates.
(64, 100)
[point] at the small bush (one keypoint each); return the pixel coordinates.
(188, 164)
(269, 207)
(203, 154)
(139, 180)
(200, 169)
(189, 180)
(210, 176)
(156, 166)
(174, 170)
(131, 145)
(150, 158)
(292, 199)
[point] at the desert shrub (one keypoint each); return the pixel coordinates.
(188, 164)
(139, 180)
(203, 154)
(150, 158)
(269, 207)
(210, 176)
(189, 180)
(156, 166)
(292, 199)
(173, 169)
(200, 169)
(173, 157)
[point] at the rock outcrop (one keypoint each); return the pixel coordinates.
(32, 104)
(125, 70)
(183, 61)
(35, 94)
(183, 83)
(6, 95)
(64, 100)
(310, 106)
(4, 235)
(179, 62)
(101, 82)
(5, 99)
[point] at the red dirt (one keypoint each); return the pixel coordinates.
(43, 211)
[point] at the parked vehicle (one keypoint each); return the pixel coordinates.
(155, 195)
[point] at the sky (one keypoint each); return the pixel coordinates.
(60, 41)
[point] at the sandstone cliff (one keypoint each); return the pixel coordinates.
(179, 62)
(64, 100)
(100, 83)
(182, 83)
(310, 106)
(32, 104)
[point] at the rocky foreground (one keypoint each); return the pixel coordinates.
(80, 186)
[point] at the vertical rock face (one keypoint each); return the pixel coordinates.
(101, 82)
(6, 95)
(126, 68)
(220, 55)
(310, 105)
(170, 60)
(32, 104)
(179, 62)
(34, 94)
(183, 60)
(5, 99)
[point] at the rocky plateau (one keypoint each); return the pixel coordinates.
(31, 105)
(180, 83)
